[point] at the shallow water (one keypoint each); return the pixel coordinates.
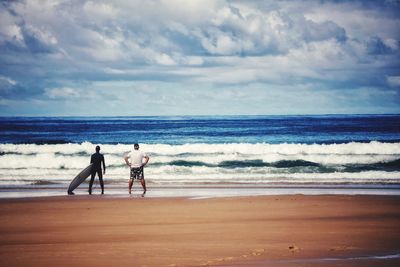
(200, 192)
(341, 261)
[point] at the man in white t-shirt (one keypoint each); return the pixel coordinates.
(134, 160)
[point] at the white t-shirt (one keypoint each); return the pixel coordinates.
(136, 158)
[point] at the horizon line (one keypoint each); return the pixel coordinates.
(225, 115)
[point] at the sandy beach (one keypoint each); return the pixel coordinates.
(290, 230)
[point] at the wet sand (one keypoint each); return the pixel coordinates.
(292, 230)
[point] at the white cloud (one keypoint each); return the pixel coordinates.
(163, 32)
(316, 55)
(392, 43)
(7, 80)
(62, 93)
(358, 21)
(393, 81)
(316, 60)
(200, 43)
(44, 36)
(192, 61)
(164, 59)
(221, 45)
(9, 29)
(194, 11)
(96, 9)
(14, 33)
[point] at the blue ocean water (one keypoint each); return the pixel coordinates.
(262, 151)
(326, 129)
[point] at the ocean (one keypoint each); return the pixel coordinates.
(263, 154)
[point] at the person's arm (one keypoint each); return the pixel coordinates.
(104, 165)
(146, 159)
(126, 158)
(91, 159)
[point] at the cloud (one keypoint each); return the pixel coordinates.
(103, 10)
(393, 81)
(7, 80)
(164, 59)
(42, 36)
(10, 31)
(62, 93)
(59, 49)
(8, 87)
(359, 18)
(377, 46)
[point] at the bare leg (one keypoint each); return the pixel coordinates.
(130, 185)
(143, 182)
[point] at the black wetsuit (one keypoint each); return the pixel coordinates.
(96, 160)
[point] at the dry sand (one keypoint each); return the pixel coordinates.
(239, 231)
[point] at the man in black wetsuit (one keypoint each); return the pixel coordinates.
(96, 160)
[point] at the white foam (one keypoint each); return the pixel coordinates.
(352, 148)
(63, 162)
(68, 155)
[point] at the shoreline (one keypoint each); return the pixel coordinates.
(204, 191)
(280, 230)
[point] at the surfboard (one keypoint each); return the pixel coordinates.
(79, 179)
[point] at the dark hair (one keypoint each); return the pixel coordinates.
(136, 145)
(97, 148)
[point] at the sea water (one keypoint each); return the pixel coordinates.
(264, 154)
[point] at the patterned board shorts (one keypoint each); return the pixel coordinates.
(137, 173)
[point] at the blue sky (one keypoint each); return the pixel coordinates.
(176, 57)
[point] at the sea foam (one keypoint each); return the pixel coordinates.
(354, 162)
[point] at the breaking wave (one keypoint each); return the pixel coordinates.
(354, 162)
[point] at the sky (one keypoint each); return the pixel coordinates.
(205, 57)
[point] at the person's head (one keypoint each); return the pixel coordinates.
(136, 146)
(97, 148)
